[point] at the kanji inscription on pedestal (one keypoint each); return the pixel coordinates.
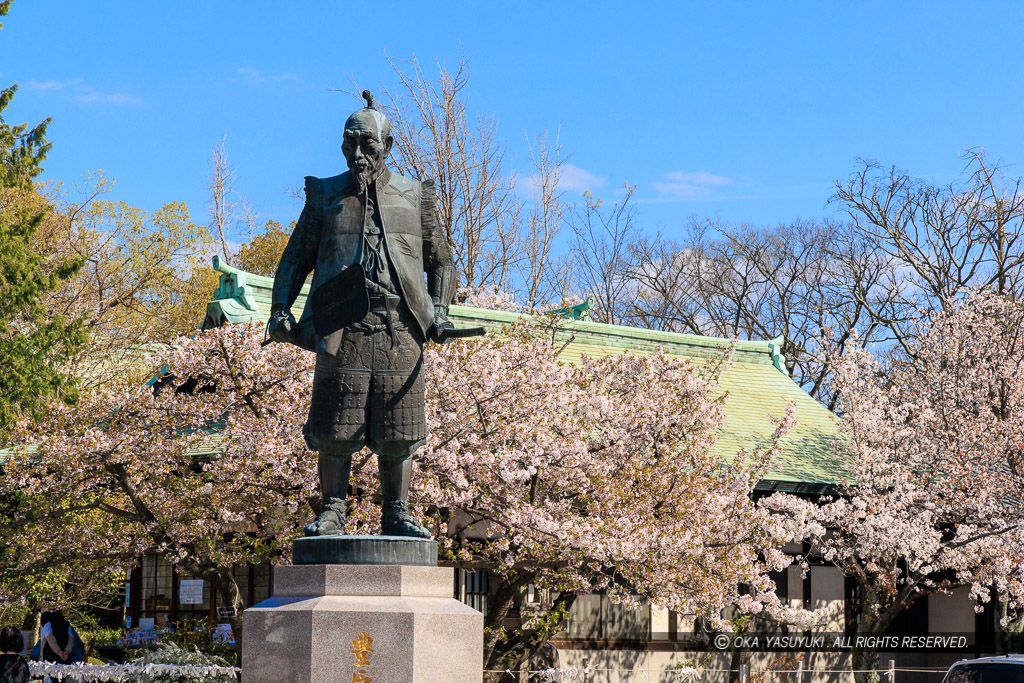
(361, 648)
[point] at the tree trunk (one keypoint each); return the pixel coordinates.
(31, 624)
(869, 626)
(498, 606)
(227, 589)
(1009, 637)
(513, 652)
(873, 620)
(865, 664)
(740, 657)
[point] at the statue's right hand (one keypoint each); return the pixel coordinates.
(282, 326)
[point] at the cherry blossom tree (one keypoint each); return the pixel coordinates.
(124, 473)
(599, 476)
(935, 494)
(592, 477)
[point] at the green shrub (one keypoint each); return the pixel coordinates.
(98, 636)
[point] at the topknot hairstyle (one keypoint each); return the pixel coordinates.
(383, 125)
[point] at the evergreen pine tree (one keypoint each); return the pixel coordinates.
(34, 345)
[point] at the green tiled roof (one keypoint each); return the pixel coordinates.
(756, 382)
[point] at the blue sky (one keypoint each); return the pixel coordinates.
(746, 110)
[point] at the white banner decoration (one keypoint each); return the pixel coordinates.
(555, 675)
(88, 673)
(688, 674)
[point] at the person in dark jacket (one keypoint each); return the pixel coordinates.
(55, 635)
(13, 667)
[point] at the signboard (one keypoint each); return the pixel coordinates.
(146, 623)
(190, 592)
(223, 634)
(225, 611)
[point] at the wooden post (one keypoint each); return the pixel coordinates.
(800, 671)
(743, 673)
(891, 673)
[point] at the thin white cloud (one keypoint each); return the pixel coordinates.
(578, 179)
(250, 74)
(256, 76)
(690, 185)
(119, 98)
(44, 86)
(83, 92)
(571, 178)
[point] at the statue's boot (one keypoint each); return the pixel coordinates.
(395, 519)
(334, 472)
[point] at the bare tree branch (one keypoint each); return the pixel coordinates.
(220, 204)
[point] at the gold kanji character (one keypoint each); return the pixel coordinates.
(361, 647)
(360, 677)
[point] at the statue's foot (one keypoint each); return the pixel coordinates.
(330, 522)
(395, 520)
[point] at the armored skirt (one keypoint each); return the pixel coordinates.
(371, 392)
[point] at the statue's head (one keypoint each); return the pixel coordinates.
(367, 141)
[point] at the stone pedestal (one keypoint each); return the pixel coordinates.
(313, 627)
(364, 550)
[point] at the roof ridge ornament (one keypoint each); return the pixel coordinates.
(580, 311)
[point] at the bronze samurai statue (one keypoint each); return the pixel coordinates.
(368, 235)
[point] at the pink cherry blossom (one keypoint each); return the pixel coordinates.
(935, 497)
(577, 478)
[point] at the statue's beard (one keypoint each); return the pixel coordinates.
(364, 179)
(366, 176)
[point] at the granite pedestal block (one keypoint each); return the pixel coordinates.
(313, 628)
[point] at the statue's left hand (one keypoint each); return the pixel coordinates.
(443, 331)
(282, 326)
(437, 330)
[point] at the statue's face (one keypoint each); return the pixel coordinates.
(364, 151)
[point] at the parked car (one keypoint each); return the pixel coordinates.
(1004, 669)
